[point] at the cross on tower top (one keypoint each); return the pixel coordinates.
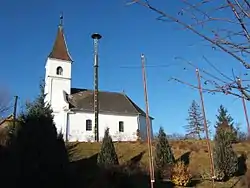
(61, 19)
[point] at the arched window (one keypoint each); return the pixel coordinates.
(59, 71)
(88, 125)
(121, 126)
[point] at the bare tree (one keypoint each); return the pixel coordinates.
(4, 102)
(223, 24)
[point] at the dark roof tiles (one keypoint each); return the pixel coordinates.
(109, 102)
(60, 50)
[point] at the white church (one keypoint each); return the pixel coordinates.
(73, 108)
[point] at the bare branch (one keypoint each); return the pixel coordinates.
(239, 19)
(216, 69)
(4, 102)
(225, 26)
(212, 91)
(214, 84)
(194, 7)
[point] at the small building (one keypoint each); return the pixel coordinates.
(73, 108)
(6, 121)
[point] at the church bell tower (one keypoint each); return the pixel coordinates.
(58, 73)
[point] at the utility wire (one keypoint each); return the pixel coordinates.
(139, 67)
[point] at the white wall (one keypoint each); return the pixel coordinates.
(143, 127)
(56, 84)
(52, 64)
(60, 120)
(77, 127)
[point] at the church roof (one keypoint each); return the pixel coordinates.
(109, 102)
(60, 50)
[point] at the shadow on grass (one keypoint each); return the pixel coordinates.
(86, 173)
(185, 158)
(239, 180)
(136, 159)
(195, 182)
(242, 171)
(242, 167)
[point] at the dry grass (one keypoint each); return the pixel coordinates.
(199, 157)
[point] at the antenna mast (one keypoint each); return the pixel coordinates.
(96, 38)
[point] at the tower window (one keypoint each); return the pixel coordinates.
(88, 125)
(121, 126)
(59, 71)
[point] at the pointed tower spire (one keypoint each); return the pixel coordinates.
(60, 50)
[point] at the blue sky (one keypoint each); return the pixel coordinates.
(28, 32)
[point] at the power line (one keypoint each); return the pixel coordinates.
(139, 67)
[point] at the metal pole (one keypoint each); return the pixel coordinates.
(149, 133)
(205, 125)
(245, 110)
(14, 110)
(96, 38)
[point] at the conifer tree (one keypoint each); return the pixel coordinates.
(195, 120)
(163, 153)
(107, 156)
(224, 117)
(225, 159)
(40, 153)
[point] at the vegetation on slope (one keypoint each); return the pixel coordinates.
(196, 150)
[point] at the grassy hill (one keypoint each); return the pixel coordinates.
(197, 151)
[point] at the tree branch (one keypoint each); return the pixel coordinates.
(4, 102)
(230, 35)
(189, 27)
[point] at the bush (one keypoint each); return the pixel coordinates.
(242, 136)
(181, 175)
(163, 153)
(225, 159)
(107, 156)
(138, 134)
(166, 172)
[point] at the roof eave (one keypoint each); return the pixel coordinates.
(53, 58)
(102, 112)
(148, 116)
(135, 108)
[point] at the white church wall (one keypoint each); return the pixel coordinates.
(143, 127)
(55, 84)
(52, 65)
(57, 97)
(59, 122)
(77, 127)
